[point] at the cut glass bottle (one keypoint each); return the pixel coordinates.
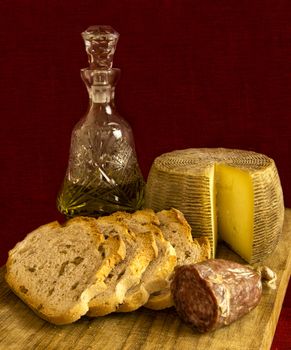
(103, 174)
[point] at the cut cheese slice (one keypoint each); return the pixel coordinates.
(233, 194)
(235, 202)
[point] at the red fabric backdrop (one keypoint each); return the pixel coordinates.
(194, 74)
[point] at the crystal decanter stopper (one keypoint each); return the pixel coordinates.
(103, 174)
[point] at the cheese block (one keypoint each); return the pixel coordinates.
(234, 195)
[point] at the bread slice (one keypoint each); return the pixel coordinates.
(154, 278)
(140, 251)
(176, 229)
(57, 269)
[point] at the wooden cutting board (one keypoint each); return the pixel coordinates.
(144, 329)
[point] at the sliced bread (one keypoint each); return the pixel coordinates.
(57, 269)
(176, 229)
(144, 222)
(140, 251)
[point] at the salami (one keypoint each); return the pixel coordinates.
(214, 293)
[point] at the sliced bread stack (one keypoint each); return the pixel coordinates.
(115, 263)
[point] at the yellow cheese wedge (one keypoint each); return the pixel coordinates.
(235, 195)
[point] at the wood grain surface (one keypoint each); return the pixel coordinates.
(144, 329)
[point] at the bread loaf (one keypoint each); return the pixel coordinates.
(94, 266)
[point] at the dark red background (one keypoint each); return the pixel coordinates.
(194, 74)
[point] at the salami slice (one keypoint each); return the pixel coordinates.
(214, 293)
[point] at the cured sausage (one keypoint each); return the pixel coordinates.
(215, 292)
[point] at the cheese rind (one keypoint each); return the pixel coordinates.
(191, 193)
(233, 194)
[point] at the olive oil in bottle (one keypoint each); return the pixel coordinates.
(103, 174)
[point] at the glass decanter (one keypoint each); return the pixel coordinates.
(103, 174)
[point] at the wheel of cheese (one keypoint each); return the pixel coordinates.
(227, 194)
